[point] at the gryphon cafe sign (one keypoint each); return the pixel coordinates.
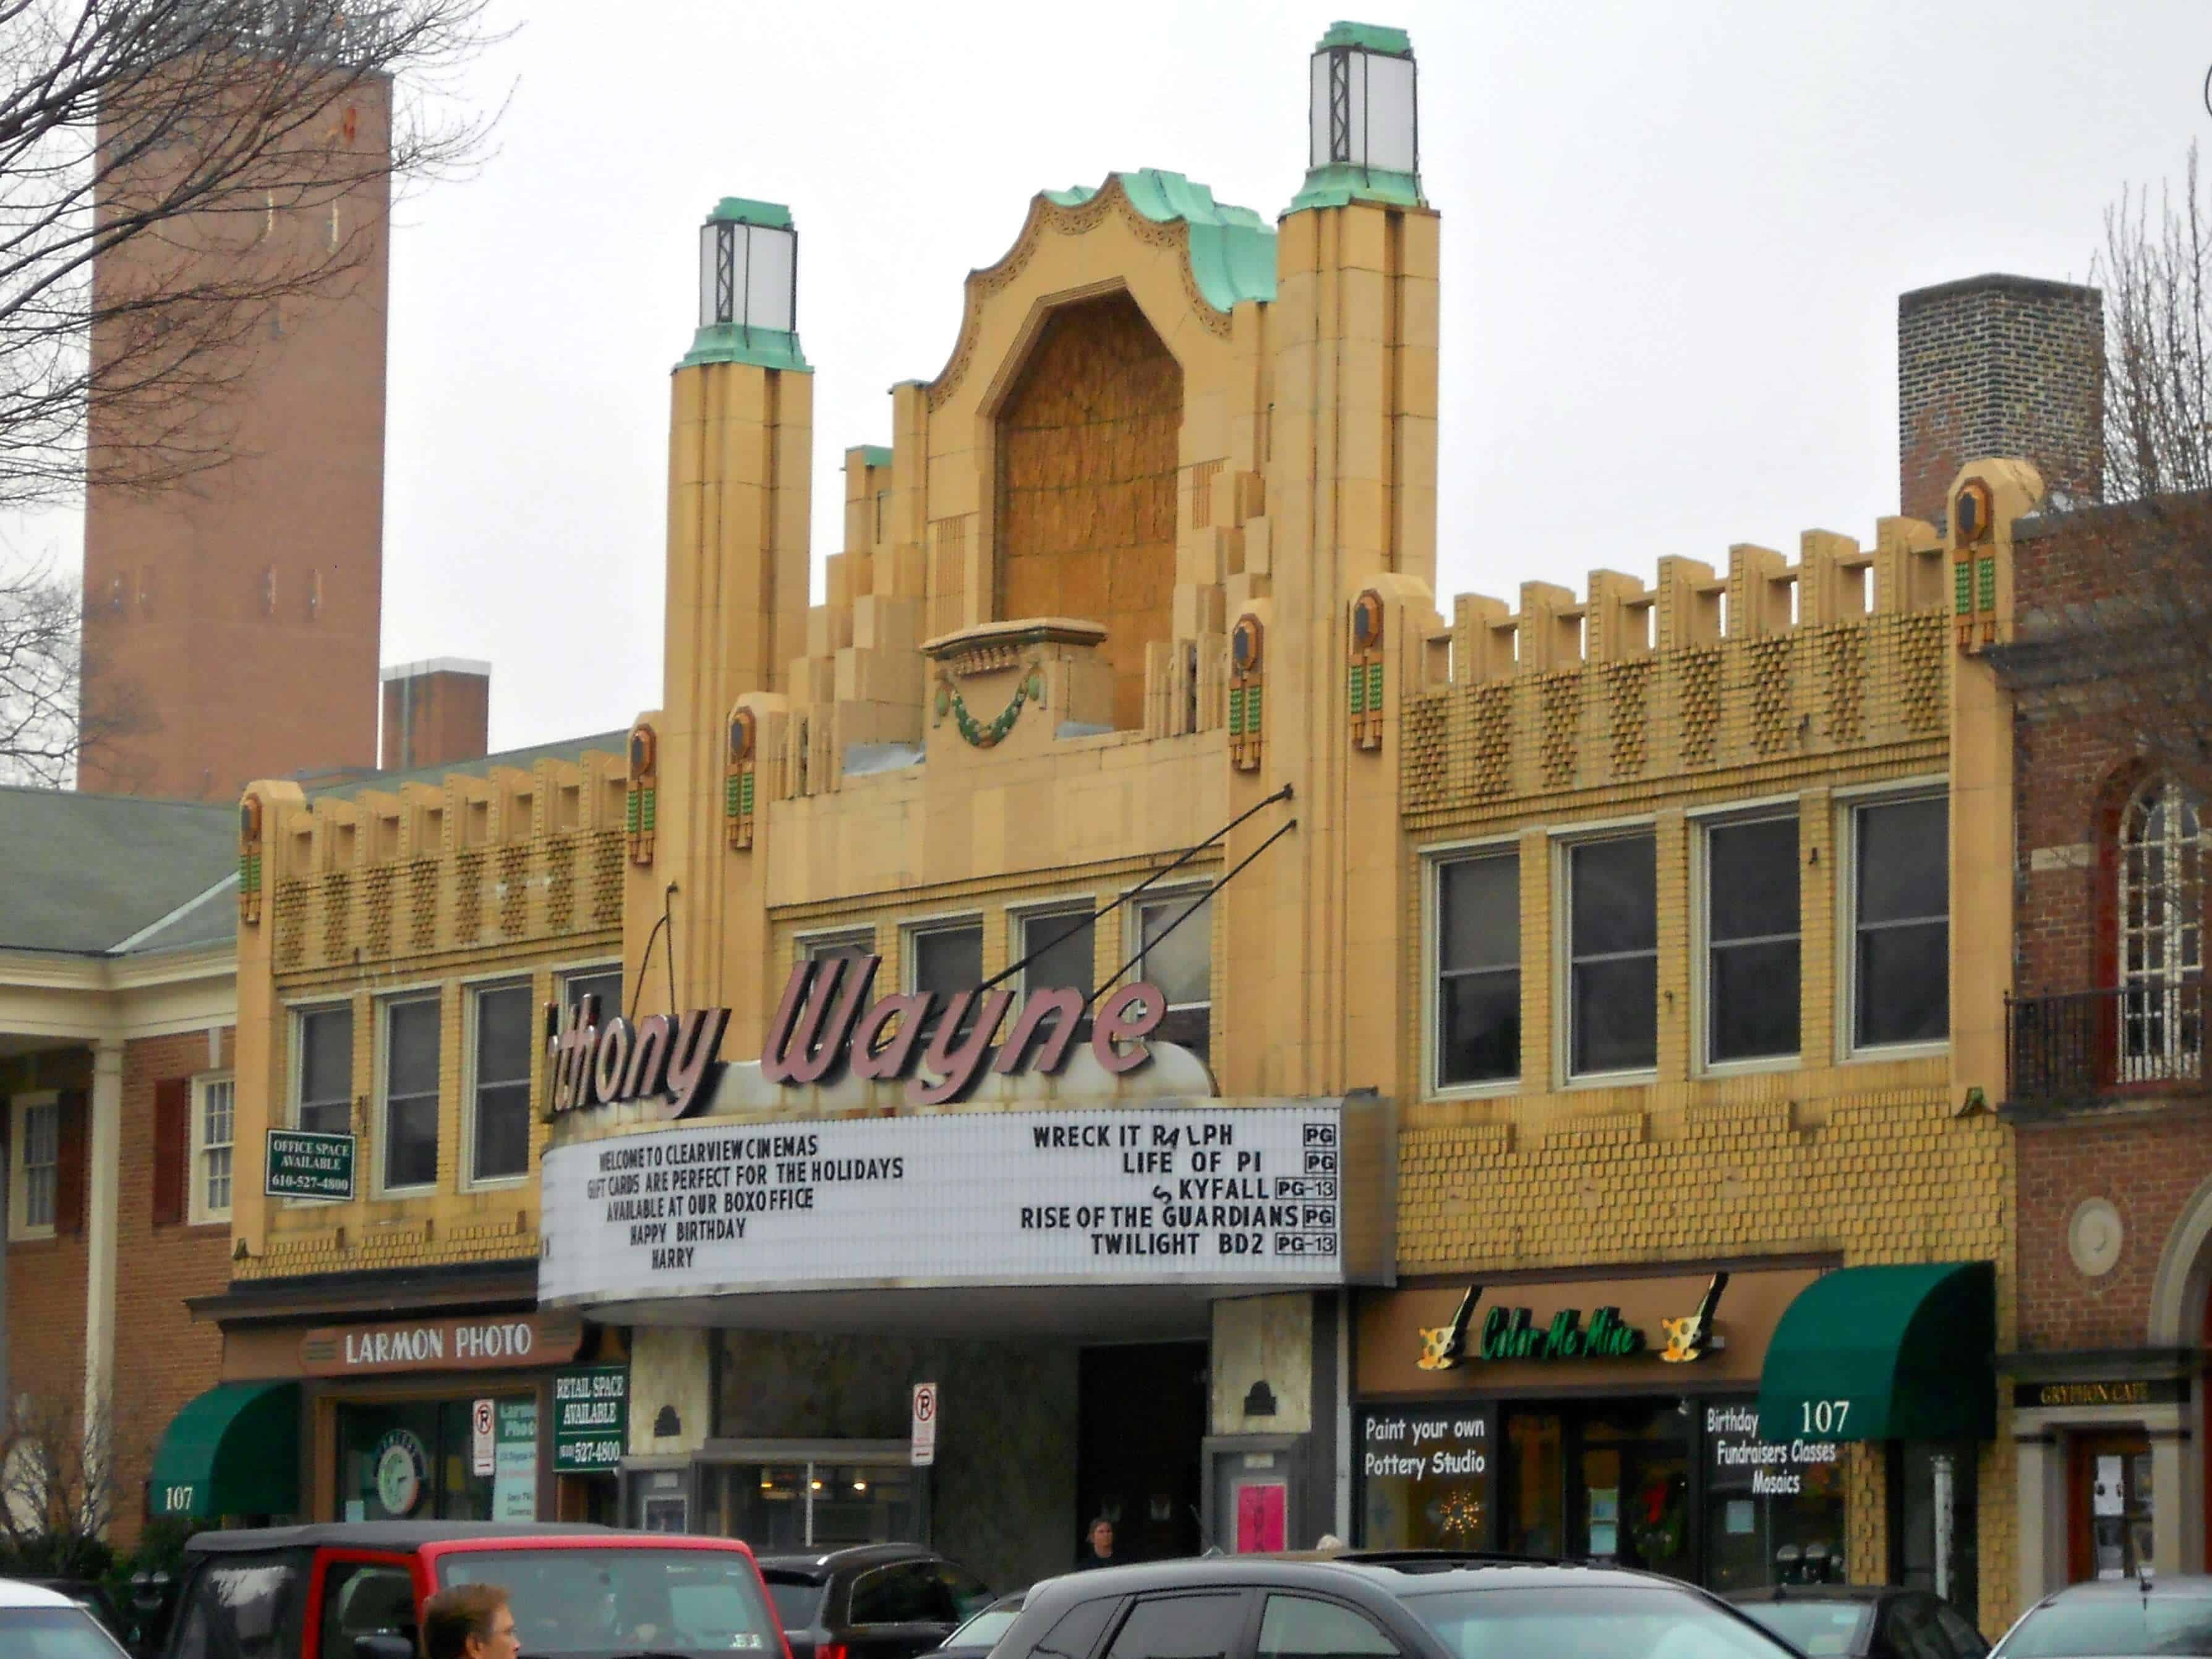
(825, 1026)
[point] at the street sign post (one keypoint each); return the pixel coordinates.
(924, 1450)
(481, 1442)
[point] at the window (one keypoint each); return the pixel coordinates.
(37, 1168)
(1307, 1627)
(2162, 943)
(948, 959)
(1752, 929)
(1061, 948)
(1210, 1626)
(907, 1593)
(249, 1610)
(969, 1594)
(1181, 963)
(500, 1139)
(1078, 1630)
(325, 1073)
(605, 983)
(1901, 927)
(410, 1092)
(1613, 960)
(364, 1598)
(854, 942)
(1477, 925)
(215, 1100)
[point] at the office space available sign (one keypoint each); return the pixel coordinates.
(301, 1164)
(1201, 1193)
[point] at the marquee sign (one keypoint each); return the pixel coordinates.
(938, 1043)
(1200, 1194)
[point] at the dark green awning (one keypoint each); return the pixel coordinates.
(1885, 1353)
(234, 1450)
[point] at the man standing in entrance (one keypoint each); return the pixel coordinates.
(1101, 1550)
(472, 1621)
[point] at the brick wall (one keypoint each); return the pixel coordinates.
(163, 1357)
(1997, 366)
(46, 1276)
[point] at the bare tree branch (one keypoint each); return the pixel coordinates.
(48, 725)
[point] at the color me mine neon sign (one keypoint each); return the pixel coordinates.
(825, 1026)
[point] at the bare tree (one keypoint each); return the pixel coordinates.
(59, 1484)
(2116, 608)
(47, 727)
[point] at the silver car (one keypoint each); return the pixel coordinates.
(44, 1624)
(2123, 1618)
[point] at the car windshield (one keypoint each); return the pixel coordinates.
(2097, 1626)
(797, 1600)
(985, 1629)
(1818, 1628)
(602, 1601)
(1590, 1621)
(53, 1633)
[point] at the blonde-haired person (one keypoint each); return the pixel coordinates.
(471, 1622)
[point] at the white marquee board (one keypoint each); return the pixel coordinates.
(1203, 1194)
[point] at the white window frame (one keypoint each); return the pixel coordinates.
(295, 1060)
(1179, 899)
(19, 1107)
(1433, 858)
(472, 991)
(381, 1102)
(812, 947)
(1767, 810)
(1848, 804)
(575, 970)
(197, 1211)
(1563, 843)
(1065, 908)
(947, 921)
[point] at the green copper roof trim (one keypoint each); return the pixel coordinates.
(1232, 249)
(739, 210)
(875, 455)
(732, 343)
(1375, 37)
(1339, 183)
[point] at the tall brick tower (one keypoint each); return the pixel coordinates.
(1998, 365)
(239, 609)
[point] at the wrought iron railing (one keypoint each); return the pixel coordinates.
(2083, 1047)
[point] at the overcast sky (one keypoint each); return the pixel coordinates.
(1673, 237)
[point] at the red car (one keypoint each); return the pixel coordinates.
(355, 1590)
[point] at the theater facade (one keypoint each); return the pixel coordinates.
(1278, 1054)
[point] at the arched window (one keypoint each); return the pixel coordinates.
(2161, 932)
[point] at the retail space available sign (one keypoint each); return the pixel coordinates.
(1202, 1193)
(591, 1419)
(304, 1165)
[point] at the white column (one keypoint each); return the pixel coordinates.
(2171, 1492)
(103, 1156)
(2038, 1463)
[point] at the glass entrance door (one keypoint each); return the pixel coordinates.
(2111, 1503)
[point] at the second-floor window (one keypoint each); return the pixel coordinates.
(605, 984)
(410, 1092)
(1612, 955)
(1752, 940)
(214, 1114)
(499, 1137)
(37, 1167)
(947, 958)
(1901, 923)
(1178, 957)
(1060, 946)
(325, 1099)
(2161, 931)
(1477, 926)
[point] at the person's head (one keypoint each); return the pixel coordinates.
(1102, 1537)
(472, 1621)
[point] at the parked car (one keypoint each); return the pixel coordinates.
(1864, 1621)
(92, 1596)
(982, 1632)
(872, 1601)
(1419, 1604)
(355, 1590)
(38, 1621)
(2123, 1619)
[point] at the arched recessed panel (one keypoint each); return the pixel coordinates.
(1085, 499)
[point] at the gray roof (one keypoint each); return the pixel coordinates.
(86, 873)
(567, 748)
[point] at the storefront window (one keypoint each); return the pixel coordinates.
(415, 1459)
(785, 1506)
(1774, 1509)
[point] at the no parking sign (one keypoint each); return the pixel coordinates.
(482, 1443)
(925, 1423)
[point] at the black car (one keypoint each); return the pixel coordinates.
(1864, 1621)
(873, 1602)
(1412, 1604)
(982, 1632)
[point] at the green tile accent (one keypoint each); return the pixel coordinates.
(1986, 571)
(1252, 712)
(1962, 579)
(632, 811)
(1375, 686)
(1375, 37)
(1236, 711)
(1358, 690)
(1231, 249)
(730, 796)
(743, 210)
(733, 343)
(745, 792)
(652, 807)
(1340, 183)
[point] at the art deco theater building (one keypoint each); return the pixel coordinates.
(1280, 1052)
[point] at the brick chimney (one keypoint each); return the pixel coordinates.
(436, 713)
(1997, 365)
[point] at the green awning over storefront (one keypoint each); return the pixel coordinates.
(234, 1450)
(1885, 1353)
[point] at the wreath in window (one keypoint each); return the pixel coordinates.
(1659, 1516)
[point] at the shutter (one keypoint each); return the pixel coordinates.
(69, 1162)
(172, 1149)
